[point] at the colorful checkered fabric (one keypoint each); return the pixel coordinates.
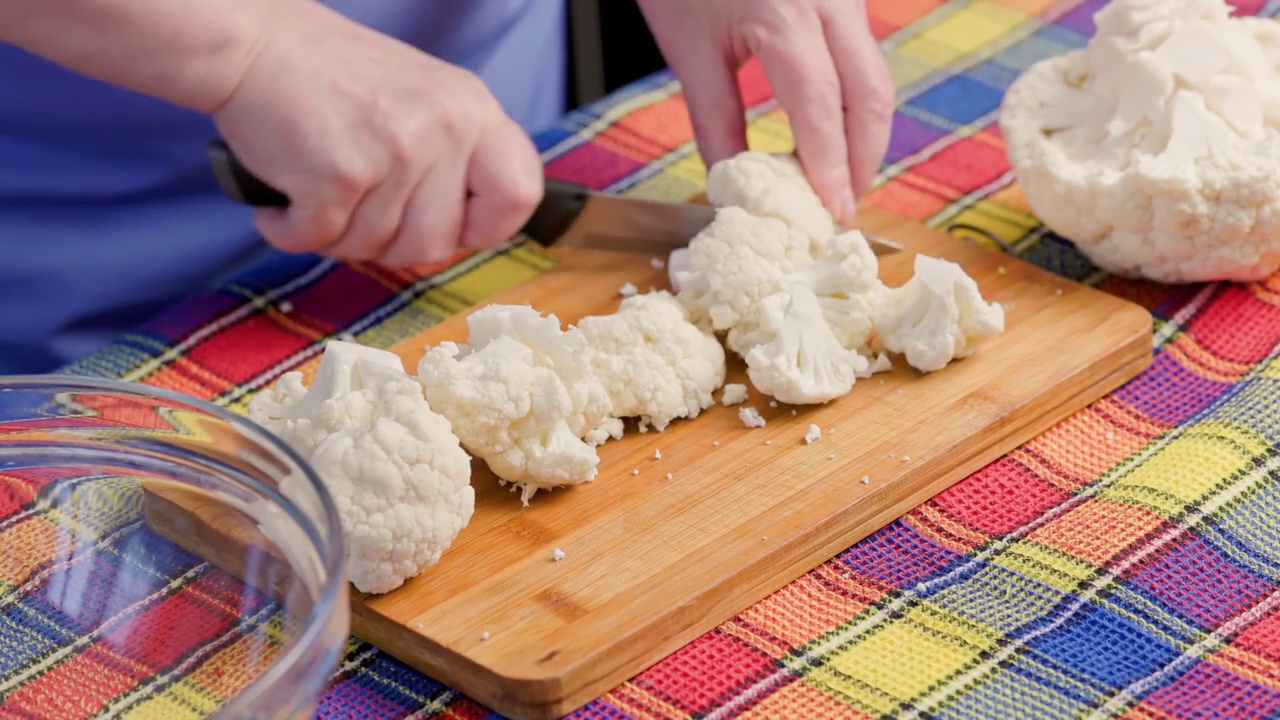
(1125, 563)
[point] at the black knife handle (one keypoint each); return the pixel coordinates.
(238, 183)
(561, 204)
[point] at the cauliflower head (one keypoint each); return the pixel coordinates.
(732, 265)
(398, 475)
(803, 363)
(655, 364)
(768, 185)
(937, 316)
(521, 397)
(1154, 148)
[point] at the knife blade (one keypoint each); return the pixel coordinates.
(570, 215)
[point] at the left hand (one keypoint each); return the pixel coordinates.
(825, 67)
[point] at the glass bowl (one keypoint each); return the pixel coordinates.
(149, 563)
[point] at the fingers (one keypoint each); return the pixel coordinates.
(793, 52)
(318, 221)
(868, 92)
(708, 77)
(376, 218)
(504, 176)
(432, 221)
(710, 83)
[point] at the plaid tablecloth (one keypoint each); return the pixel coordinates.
(1125, 563)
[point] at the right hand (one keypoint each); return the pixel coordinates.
(386, 153)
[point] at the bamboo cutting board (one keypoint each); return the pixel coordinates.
(651, 563)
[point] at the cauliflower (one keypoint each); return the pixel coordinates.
(803, 363)
(521, 396)
(937, 316)
(734, 263)
(772, 186)
(654, 363)
(734, 394)
(1154, 148)
(398, 475)
(846, 281)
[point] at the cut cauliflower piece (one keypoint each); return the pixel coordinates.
(521, 396)
(563, 350)
(1154, 148)
(398, 475)
(804, 362)
(734, 263)
(768, 185)
(846, 281)
(654, 363)
(937, 316)
(734, 394)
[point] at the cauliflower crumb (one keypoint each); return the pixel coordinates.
(285, 307)
(657, 263)
(657, 454)
(768, 442)
(814, 433)
(733, 394)
(635, 471)
(669, 476)
(832, 456)
(715, 443)
(1002, 270)
(557, 555)
(1057, 291)
(750, 417)
(864, 479)
(628, 289)
(906, 458)
(1111, 436)
(921, 587)
(793, 413)
(484, 635)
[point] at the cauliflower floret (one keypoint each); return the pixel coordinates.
(937, 316)
(1154, 148)
(521, 397)
(773, 186)
(509, 412)
(804, 363)
(734, 263)
(564, 351)
(654, 363)
(846, 281)
(398, 475)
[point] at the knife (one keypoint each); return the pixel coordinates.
(570, 215)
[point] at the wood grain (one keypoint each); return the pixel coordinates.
(652, 563)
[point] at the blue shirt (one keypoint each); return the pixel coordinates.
(109, 213)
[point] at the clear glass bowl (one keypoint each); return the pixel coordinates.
(149, 563)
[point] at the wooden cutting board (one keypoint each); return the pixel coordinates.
(651, 563)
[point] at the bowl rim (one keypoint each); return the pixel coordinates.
(331, 548)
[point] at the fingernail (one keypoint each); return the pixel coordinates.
(848, 209)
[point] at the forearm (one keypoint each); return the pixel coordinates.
(188, 52)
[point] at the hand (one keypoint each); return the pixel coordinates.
(825, 68)
(385, 153)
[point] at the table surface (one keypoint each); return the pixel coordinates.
(1125, 562)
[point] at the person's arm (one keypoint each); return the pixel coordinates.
(384, 151)
(188, 52)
